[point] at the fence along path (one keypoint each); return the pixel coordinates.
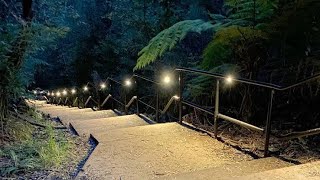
(132, 148)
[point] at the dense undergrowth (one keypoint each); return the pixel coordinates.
(35, 151)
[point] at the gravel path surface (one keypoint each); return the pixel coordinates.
(151, 151)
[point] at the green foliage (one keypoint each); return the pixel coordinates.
(220, 49)
(34, 148)
(250, 12)
(22, 157)
(241, 13)
(19, 130)
(54, 152)
(168, 39)
(201, 86)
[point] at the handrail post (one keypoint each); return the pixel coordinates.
(125, 102)
(268, 125)
(157, 105)
(216, 109)
(137, 104)
(180, 95)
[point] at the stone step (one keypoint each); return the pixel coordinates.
(233, 170)
(54, 112)
(146, 152)
(67, 116)
(35, 103)
(310, 171)
(96, 127)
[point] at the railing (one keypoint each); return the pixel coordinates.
(216, 113)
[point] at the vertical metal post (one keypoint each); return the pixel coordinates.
(216, 109)
(125, 102)
(66, 101)
(268, 125)
(137, 104)
(157, 105)
(180, 95)
(99, 100)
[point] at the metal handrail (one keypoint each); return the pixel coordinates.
(131, 101)
(173, 98)
(111, 79)
(145, 78)
(106, 100)
(116, 100)
(217, 115)
(249, 81)
(157, 94)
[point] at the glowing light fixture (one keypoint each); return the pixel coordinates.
(34, 92)
(166, 79)
(58, 94)
(64, 92)
(73, 91)
(85, 88)
(127, 83)
(52, 94)
(103, 85)
(229, 79)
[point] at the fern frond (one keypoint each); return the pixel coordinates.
(219, 49)
(168, 39)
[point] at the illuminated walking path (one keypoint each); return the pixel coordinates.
(131, 148)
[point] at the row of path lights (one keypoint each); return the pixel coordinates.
(166, 81)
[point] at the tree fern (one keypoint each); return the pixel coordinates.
(241, 13)
(168, 39)
(219, 50)
(251, 12)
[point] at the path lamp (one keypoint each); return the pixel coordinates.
(73, 91)
(128, 83)
(64, 92)
(74, 99)
(103, 85)
(166, 80)
(58, 94)
(229, 79)
(85, 88)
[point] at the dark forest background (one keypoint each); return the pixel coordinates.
(57, 44)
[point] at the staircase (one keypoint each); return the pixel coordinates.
(131, 147)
